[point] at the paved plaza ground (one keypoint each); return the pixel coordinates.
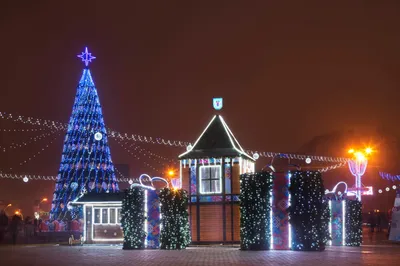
(43, 255)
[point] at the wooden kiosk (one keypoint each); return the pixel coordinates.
(210, 173)
(101, 217)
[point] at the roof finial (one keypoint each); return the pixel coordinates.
(86, 57)
(217, 103)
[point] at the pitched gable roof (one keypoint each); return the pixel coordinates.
(217, 140)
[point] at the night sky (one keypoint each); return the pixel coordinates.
(287, 72)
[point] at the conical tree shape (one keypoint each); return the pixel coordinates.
(86, 164)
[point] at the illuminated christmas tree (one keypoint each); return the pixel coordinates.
(86, 165)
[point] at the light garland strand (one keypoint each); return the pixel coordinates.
(23, 130)
(31, 140)
(388, 176)
(34, 121)
(118, 172)
(151, 155)
(332, 167)
(39, 152)
(135, 156)
(176, 143)
(49, 178)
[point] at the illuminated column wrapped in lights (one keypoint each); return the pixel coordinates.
(146, 218)
(290, 227)
(330, 222)
(271, 221)
(180, 174)
(344, 222)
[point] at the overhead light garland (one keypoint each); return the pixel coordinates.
(151, 155)
(23, 130)
(44, 177)
(31, 140)
(162, 141)
(38, 152)
(130, 152)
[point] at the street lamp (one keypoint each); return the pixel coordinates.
(358, 166)
(19, 213)
(9, 205)
(43, 200)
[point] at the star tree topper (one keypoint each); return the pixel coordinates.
(86, 57)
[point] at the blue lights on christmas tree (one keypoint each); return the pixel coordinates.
(86, 165)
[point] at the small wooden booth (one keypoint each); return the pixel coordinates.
(102, 217)
(210, 172)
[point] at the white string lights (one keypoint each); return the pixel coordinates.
(31, 140)
(118, 172)
(39, 152)
(136, 157)
(33, 121)
(48, 178)
(151, 155)
(23, 130)
(176, 143)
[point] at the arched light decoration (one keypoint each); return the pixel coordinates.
(333, 191)
(145, 181)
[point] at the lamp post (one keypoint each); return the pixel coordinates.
(43, 200)
(9, 205)
(358, 166)
(19, 213)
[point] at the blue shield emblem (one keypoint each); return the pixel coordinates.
(217, 103)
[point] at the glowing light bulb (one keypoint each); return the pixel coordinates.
(350, 151)
(359, 156)
(368, 150)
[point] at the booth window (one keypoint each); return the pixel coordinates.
(107, 215)
(210, 179)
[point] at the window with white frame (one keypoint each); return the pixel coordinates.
(110, 215)
(210, 179)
